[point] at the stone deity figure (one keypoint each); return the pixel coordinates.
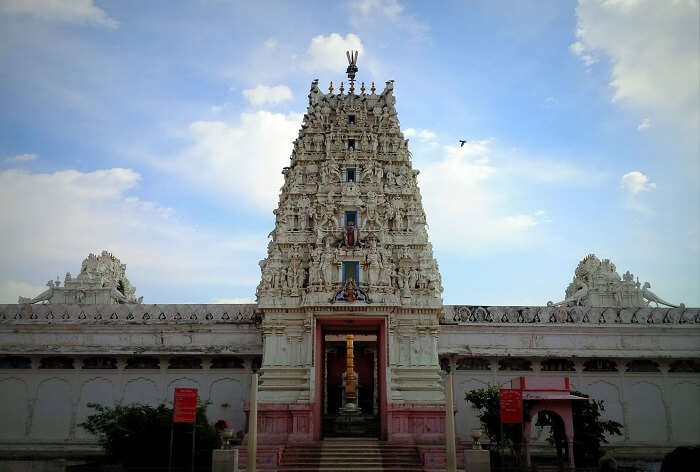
(384, 274)
(334, 172)
(402, 177)
(314, 270)
(318, 141)
(351, 235)
(328, 266)
(266, 282)
(297, 179)
(413, 278)
(373, 265)
(377, 111)
(403, 280)
(315, 94)
(368, 172)
(390, 177)
(378, 175)
(304, 213)
(325, 173)
(388, 93)
(364, 142)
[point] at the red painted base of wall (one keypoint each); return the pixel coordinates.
(282, 423)
(268, 457)
(416, 423)
(435, 457)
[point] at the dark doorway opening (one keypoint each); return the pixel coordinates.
(366, 365)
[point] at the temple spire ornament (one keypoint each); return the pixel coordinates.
(352, 68)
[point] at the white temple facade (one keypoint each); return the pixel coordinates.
(349, 255)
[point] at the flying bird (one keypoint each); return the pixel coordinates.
(461, 142)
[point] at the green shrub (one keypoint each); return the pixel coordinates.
(138, 436)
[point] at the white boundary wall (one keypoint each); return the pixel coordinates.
(41, 407)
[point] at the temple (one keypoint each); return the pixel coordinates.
(349, 333)
(350, 255)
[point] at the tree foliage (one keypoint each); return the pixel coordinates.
(137, 435)
(509, 436)
(590, 430)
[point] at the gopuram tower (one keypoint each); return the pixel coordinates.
(349, 260)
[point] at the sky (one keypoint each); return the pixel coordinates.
(157, 130)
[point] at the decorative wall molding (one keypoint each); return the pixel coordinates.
(577, 315)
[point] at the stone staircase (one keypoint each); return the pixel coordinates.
(350, 455)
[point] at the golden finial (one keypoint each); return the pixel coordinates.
(330, 88)
(352, 88)
(373, 89)
(342, 89)
(362, 88)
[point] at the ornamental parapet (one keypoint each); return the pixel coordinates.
(129, 314)
(577, 315)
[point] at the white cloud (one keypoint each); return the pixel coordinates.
(328, 52)
(577, 48)
(653, 47)
(239, 161)
(519, 221)
(390, 9)
(262, 94)
(382, 14)
(271, 43)
(66, 11)
(644, 124)
(10, 290)
(478, 195)
(636, 182)
(22, 158)
(464, 203)
(52, 221)
(423, 135)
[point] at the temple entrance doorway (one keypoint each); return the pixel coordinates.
(365, 421)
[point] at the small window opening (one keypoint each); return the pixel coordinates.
(350, 175)
(351, 270)
(351, 119)
(351, 216)
(351, 144)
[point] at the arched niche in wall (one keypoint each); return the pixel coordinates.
(685, 413)
(646, 415)
(609, 393)
(14, 408)
(183, 382)
(226, 397)
(466, 417)
(141, 390)
(97, 390)
(52, 411)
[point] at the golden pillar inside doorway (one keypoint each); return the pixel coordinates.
(350, 380)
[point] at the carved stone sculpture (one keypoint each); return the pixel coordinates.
(102, 280)
(596, 283)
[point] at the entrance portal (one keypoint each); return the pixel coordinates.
(366, 366)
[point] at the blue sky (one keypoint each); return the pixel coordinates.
(157, 130)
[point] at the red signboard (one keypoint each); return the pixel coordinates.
(511, 405)
(185, 405)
